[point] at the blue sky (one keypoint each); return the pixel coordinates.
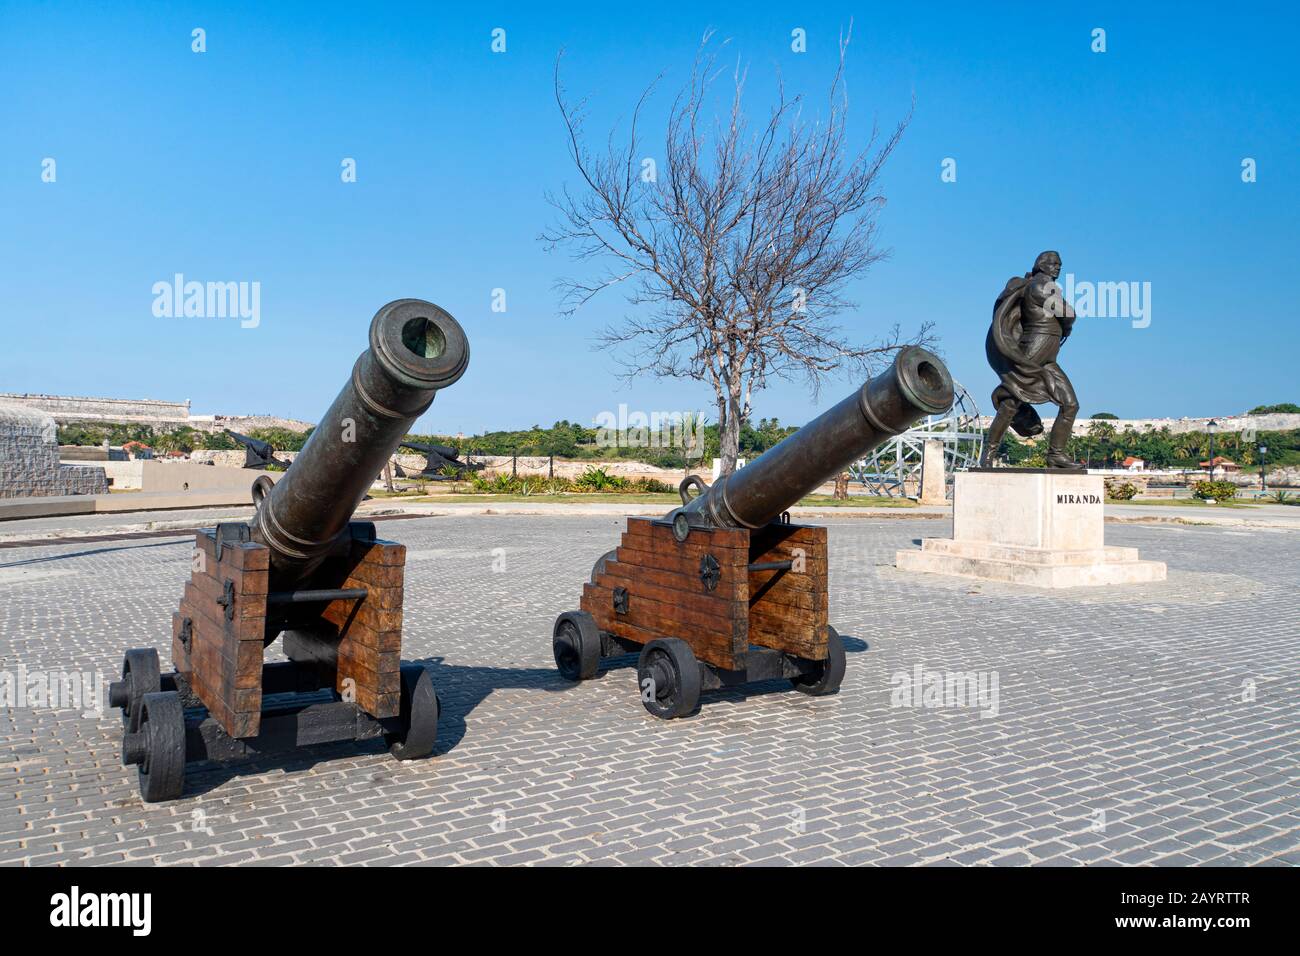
(225, 166)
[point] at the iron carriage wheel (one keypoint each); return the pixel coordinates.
(575, 642)
(668, 676)
(827, 677)
(141, 674)
(420, 707)
(157, 746)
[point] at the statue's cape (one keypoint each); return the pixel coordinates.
(1022, 379)
(1004, 333)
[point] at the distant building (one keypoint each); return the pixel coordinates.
(1219, 463)
(1135, 464)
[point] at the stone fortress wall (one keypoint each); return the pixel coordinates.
(67, 409)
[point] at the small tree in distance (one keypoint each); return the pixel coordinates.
(737, 247)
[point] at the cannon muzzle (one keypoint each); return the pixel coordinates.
(416, 348)
(916, 385)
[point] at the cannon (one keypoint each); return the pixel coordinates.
(257, 453)
(302, 570)
(436, 458)
(725, 590)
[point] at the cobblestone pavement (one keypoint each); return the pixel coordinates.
(1155, 724)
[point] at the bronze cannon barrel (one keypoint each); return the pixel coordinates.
(416, 348)
(263, 448)
(916, 385)
(424, 448)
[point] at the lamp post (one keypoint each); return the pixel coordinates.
(1263, 450)
(1210, 426)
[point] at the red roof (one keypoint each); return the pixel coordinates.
(1130, 460)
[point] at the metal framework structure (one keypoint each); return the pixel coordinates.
(893, 469)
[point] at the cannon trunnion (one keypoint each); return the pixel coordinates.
(305, 571)
(725, 590)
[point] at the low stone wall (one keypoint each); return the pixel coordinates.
(1226, 424)
(1288, 477)
(246, 423)
(1282, 477)
(163, 475)
(218, 457)
(227, 458)
(566, 468)
(91, 454)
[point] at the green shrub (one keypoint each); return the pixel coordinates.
(1214, 490)
(557, 486)
(598, 479)
(650, 486)
(593, 480)
(1117, 489)
(531, 485)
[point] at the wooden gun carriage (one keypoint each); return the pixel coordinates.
(303, 570)
(725, 590)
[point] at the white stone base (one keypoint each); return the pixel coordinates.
(1038, 529)
(1035, 567)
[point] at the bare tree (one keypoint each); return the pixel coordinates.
(735, 253)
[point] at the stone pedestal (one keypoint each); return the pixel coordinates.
(933, 487)
(29, 459)
(1038, 528)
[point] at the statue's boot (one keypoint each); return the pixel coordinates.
(1006, 411)
(1061, 431)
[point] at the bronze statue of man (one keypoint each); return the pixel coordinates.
(1031, 321)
